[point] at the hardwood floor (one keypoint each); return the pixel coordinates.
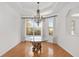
(24, 49)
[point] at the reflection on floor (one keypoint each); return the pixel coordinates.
(24, 49)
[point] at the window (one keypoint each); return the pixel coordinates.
(50, 26)
(73, 27)
(31, 26)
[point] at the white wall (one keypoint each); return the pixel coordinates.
(9, 28)
(65, 40)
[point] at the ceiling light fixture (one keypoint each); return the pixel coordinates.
(38, 18)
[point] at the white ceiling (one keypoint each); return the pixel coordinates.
(29, 8)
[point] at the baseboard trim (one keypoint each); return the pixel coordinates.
(9, 49)
(65, 49)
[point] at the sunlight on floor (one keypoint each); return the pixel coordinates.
(50, 52)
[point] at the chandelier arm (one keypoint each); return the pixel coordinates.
(50, 16)
(27, 17)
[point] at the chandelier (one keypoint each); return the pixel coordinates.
(38, 18)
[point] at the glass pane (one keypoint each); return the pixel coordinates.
(50, 26)
(30, 25)
(50, 31)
